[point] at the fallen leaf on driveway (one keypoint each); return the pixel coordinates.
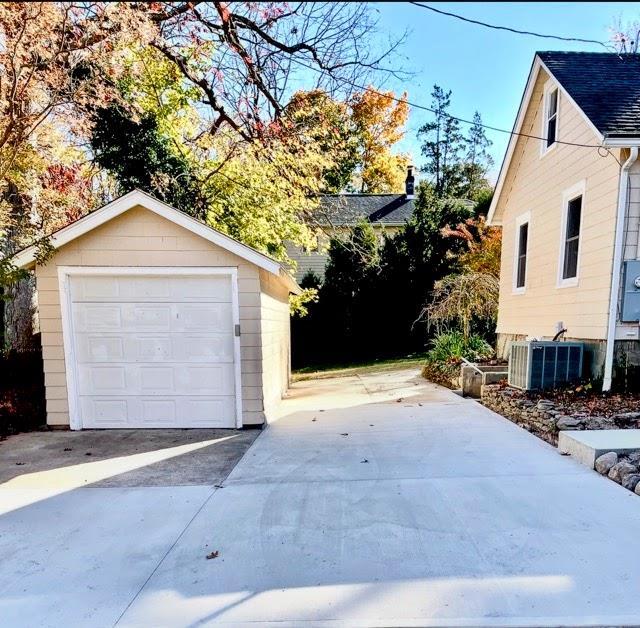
(365, 460)
(399, 400)
(214, 554)
(345, 434)
(20, 463)
(68, 449)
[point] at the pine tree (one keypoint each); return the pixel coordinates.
(443, 146)
(478, 161)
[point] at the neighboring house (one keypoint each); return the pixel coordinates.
(337, 212)
(150, 318)
(568, 201)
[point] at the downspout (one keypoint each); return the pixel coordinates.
(617, 267)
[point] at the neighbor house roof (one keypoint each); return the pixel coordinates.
(27, 257)
(603, 86)
(348, 209)
(606, 86)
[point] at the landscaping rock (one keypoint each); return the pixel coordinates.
(568, 423)
(634, 458)
(600, 423)
(631, 481)
(637, 489)
(545, 405)
(626, 418)
(621, 470)
(604, 463)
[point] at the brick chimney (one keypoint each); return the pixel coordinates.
(409, 183)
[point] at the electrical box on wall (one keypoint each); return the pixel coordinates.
(631, 291)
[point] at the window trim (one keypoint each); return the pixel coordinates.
(522, 219)
(569, 195)
(549, 87)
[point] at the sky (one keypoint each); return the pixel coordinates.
(486, 70)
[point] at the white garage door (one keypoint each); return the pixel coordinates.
(153, 351)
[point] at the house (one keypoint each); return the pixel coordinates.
(150, 318)
(568, 201)
(387, 213)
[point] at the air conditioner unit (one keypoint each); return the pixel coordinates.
(542, 364)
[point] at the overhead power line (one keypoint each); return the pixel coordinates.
(415, 105)
(512, 30)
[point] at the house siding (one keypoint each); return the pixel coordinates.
(536, 184)
(276, 341)
(316, 261)
(140, 237)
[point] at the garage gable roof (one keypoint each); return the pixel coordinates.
(138, 198)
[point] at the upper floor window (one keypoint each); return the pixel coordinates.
(550, 129)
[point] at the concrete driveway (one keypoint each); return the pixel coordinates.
(374, 501)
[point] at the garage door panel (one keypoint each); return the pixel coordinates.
(140, 412)
(150, 288)
(167, 379)
(131, 347)
(154, 351)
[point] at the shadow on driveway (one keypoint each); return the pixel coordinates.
(122, 458)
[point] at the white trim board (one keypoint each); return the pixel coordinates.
(522, 219)
(536, 66)
(65, 272)
(568, 195)
(27, 257)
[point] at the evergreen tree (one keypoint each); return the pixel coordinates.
(478, 161)
(443, 146)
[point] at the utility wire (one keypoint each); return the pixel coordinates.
(511, 30)
(415, 105)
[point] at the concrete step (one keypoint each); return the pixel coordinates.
(585, 446)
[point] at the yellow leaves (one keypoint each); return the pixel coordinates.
(380, 120)
(380, 117)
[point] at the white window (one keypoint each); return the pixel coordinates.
(569, 262)
(520, 253)
(550, 117)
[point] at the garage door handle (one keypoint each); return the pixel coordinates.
(237, 330)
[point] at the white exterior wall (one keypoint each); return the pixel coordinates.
(140, 237)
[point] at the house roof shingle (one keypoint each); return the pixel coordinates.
(606, 86)
(348, 209)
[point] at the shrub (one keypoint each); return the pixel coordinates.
(442, 364)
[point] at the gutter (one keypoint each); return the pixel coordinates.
(617, 267)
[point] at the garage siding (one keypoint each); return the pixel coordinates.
(140, 237)
(276, 340)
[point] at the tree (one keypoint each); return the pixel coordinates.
(625, 37)
(327, 123)
(139, 156)
(477, 160)
(341, 326)
(380, 118)
(443, 146)
(243, 56)
(483, 245)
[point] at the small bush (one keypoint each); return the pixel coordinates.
(442, 364)
(452, 346)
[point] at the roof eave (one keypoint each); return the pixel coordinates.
(27, 257)
(621, 142)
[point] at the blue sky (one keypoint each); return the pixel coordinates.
(486, 69)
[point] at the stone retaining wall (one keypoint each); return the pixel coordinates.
(543, 417)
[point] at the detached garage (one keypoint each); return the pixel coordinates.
(150, 318)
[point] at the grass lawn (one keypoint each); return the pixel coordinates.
(346, 370)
